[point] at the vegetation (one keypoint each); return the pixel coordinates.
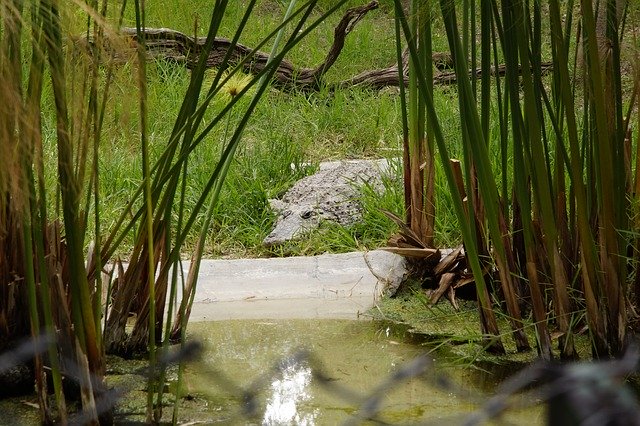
(553, 224)
(107, 155)
(288, 129)
(45, 226)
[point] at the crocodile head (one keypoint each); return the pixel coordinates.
(293, 221)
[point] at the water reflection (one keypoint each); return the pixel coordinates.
(287, 393)
(356, 356)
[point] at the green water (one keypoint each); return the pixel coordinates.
(356, 355)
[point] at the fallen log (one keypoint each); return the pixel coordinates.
(168, 44)
(171, 45)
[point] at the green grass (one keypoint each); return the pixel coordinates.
(286, 132)
(285, 129)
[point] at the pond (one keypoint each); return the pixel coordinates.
(304, 372)
(355, 356)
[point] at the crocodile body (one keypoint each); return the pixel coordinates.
(331, 194)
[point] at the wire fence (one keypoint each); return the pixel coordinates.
(588, 393)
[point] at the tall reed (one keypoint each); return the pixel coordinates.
(40, 268)
(562, 215)
(48, 285)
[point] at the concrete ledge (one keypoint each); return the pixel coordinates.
(325, 286)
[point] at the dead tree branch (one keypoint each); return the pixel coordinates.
(168, 44)
(176, 46)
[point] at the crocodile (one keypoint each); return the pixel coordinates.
(331, 194)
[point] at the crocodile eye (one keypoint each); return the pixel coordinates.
(307, 214)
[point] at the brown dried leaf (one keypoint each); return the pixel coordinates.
(445, 284)
(451, 296)
(448, 262)
(420, 253)
(410, 237)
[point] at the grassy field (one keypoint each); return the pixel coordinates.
(288, 135)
